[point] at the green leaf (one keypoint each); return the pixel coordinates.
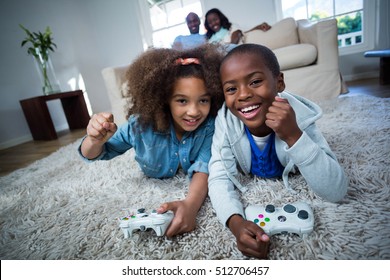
(40, 40)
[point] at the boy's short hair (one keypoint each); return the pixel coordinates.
(266, 54)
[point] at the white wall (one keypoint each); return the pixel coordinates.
(90, 35)
(93, 34)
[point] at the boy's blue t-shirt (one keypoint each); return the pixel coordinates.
(265, 163)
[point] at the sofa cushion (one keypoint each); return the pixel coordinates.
(283, 33)
(296, 56)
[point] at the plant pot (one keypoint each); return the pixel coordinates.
(46, 72)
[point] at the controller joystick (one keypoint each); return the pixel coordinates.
(302, 214)
(295, 218)
(269, 208)
(141, 220)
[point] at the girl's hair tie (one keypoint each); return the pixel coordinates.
(187, 61)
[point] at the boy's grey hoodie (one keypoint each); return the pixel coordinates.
(311, 154)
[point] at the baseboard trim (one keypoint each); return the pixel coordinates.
(27, 138)
(15, 142)
(361, 76)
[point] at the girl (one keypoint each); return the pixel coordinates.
(261, 133)
(175, 96)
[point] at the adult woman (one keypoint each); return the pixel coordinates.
(220, 29)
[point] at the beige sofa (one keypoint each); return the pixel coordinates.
(307, 53)
(114, 78)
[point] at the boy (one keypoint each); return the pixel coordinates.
(261, 133)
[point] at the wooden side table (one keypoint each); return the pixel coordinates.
(38, 117)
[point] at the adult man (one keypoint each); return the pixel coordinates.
(193, 40)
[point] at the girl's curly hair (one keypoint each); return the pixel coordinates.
(151, 77)
(225, 23)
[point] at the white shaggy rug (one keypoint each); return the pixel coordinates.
(63, 208)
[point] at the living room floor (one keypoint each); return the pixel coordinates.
(24, 154)
(369, 87)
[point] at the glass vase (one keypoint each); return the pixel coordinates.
(46, 72)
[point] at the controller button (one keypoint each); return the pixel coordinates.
(267, 219)
(133, 217)
(142, 228)
(282, 218)
(141, 210)
(262, 224)
(302, 214)
(261, 216)
(256, 221)
(270, 208)
(289, 208)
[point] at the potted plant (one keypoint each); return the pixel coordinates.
(41, 45)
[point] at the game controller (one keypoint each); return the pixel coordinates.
(143, 221)
(295, 218)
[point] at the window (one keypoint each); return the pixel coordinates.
(168, 19)
(355, 19)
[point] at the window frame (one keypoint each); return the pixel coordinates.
(168, 27)
(369, 24)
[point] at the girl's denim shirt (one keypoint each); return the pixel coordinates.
(160, 154)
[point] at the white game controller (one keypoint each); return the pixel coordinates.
(295, 218)
(143, 221)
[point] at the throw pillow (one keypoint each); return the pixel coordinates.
(296, 56)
